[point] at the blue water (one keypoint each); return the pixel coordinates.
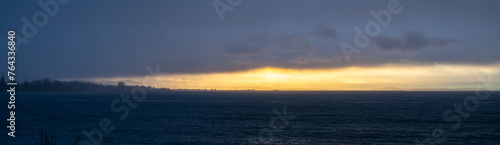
(248, 118)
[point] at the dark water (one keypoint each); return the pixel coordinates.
(248, 118)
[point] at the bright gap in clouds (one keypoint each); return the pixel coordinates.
(387, 77)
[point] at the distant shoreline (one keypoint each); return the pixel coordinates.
(211, 91)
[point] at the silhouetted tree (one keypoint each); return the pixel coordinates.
(121, 85)
(2, 83)
(3, 80)
(27, 86)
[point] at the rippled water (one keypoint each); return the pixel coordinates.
(248, 117)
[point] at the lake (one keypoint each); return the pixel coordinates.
(259, 117)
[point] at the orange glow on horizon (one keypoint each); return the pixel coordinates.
(388, 77)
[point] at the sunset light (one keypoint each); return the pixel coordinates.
(250, 72)
(387, 77)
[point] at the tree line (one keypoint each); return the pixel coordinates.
(48, 85)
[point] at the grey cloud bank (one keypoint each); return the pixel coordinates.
(90, 39)
(410, 42)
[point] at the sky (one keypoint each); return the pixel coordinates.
(259, 44)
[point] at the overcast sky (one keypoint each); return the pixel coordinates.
(96, 39)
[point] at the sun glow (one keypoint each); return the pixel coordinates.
(388, 77)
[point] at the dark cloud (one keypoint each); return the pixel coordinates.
(269, 42)
(324, 31)
(243, 49)
(283, 41)
(92, 38)
(250, 46)
(410, 42)
(291, 42)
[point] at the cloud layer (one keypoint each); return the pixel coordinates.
(95, 39)
(410, 42)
